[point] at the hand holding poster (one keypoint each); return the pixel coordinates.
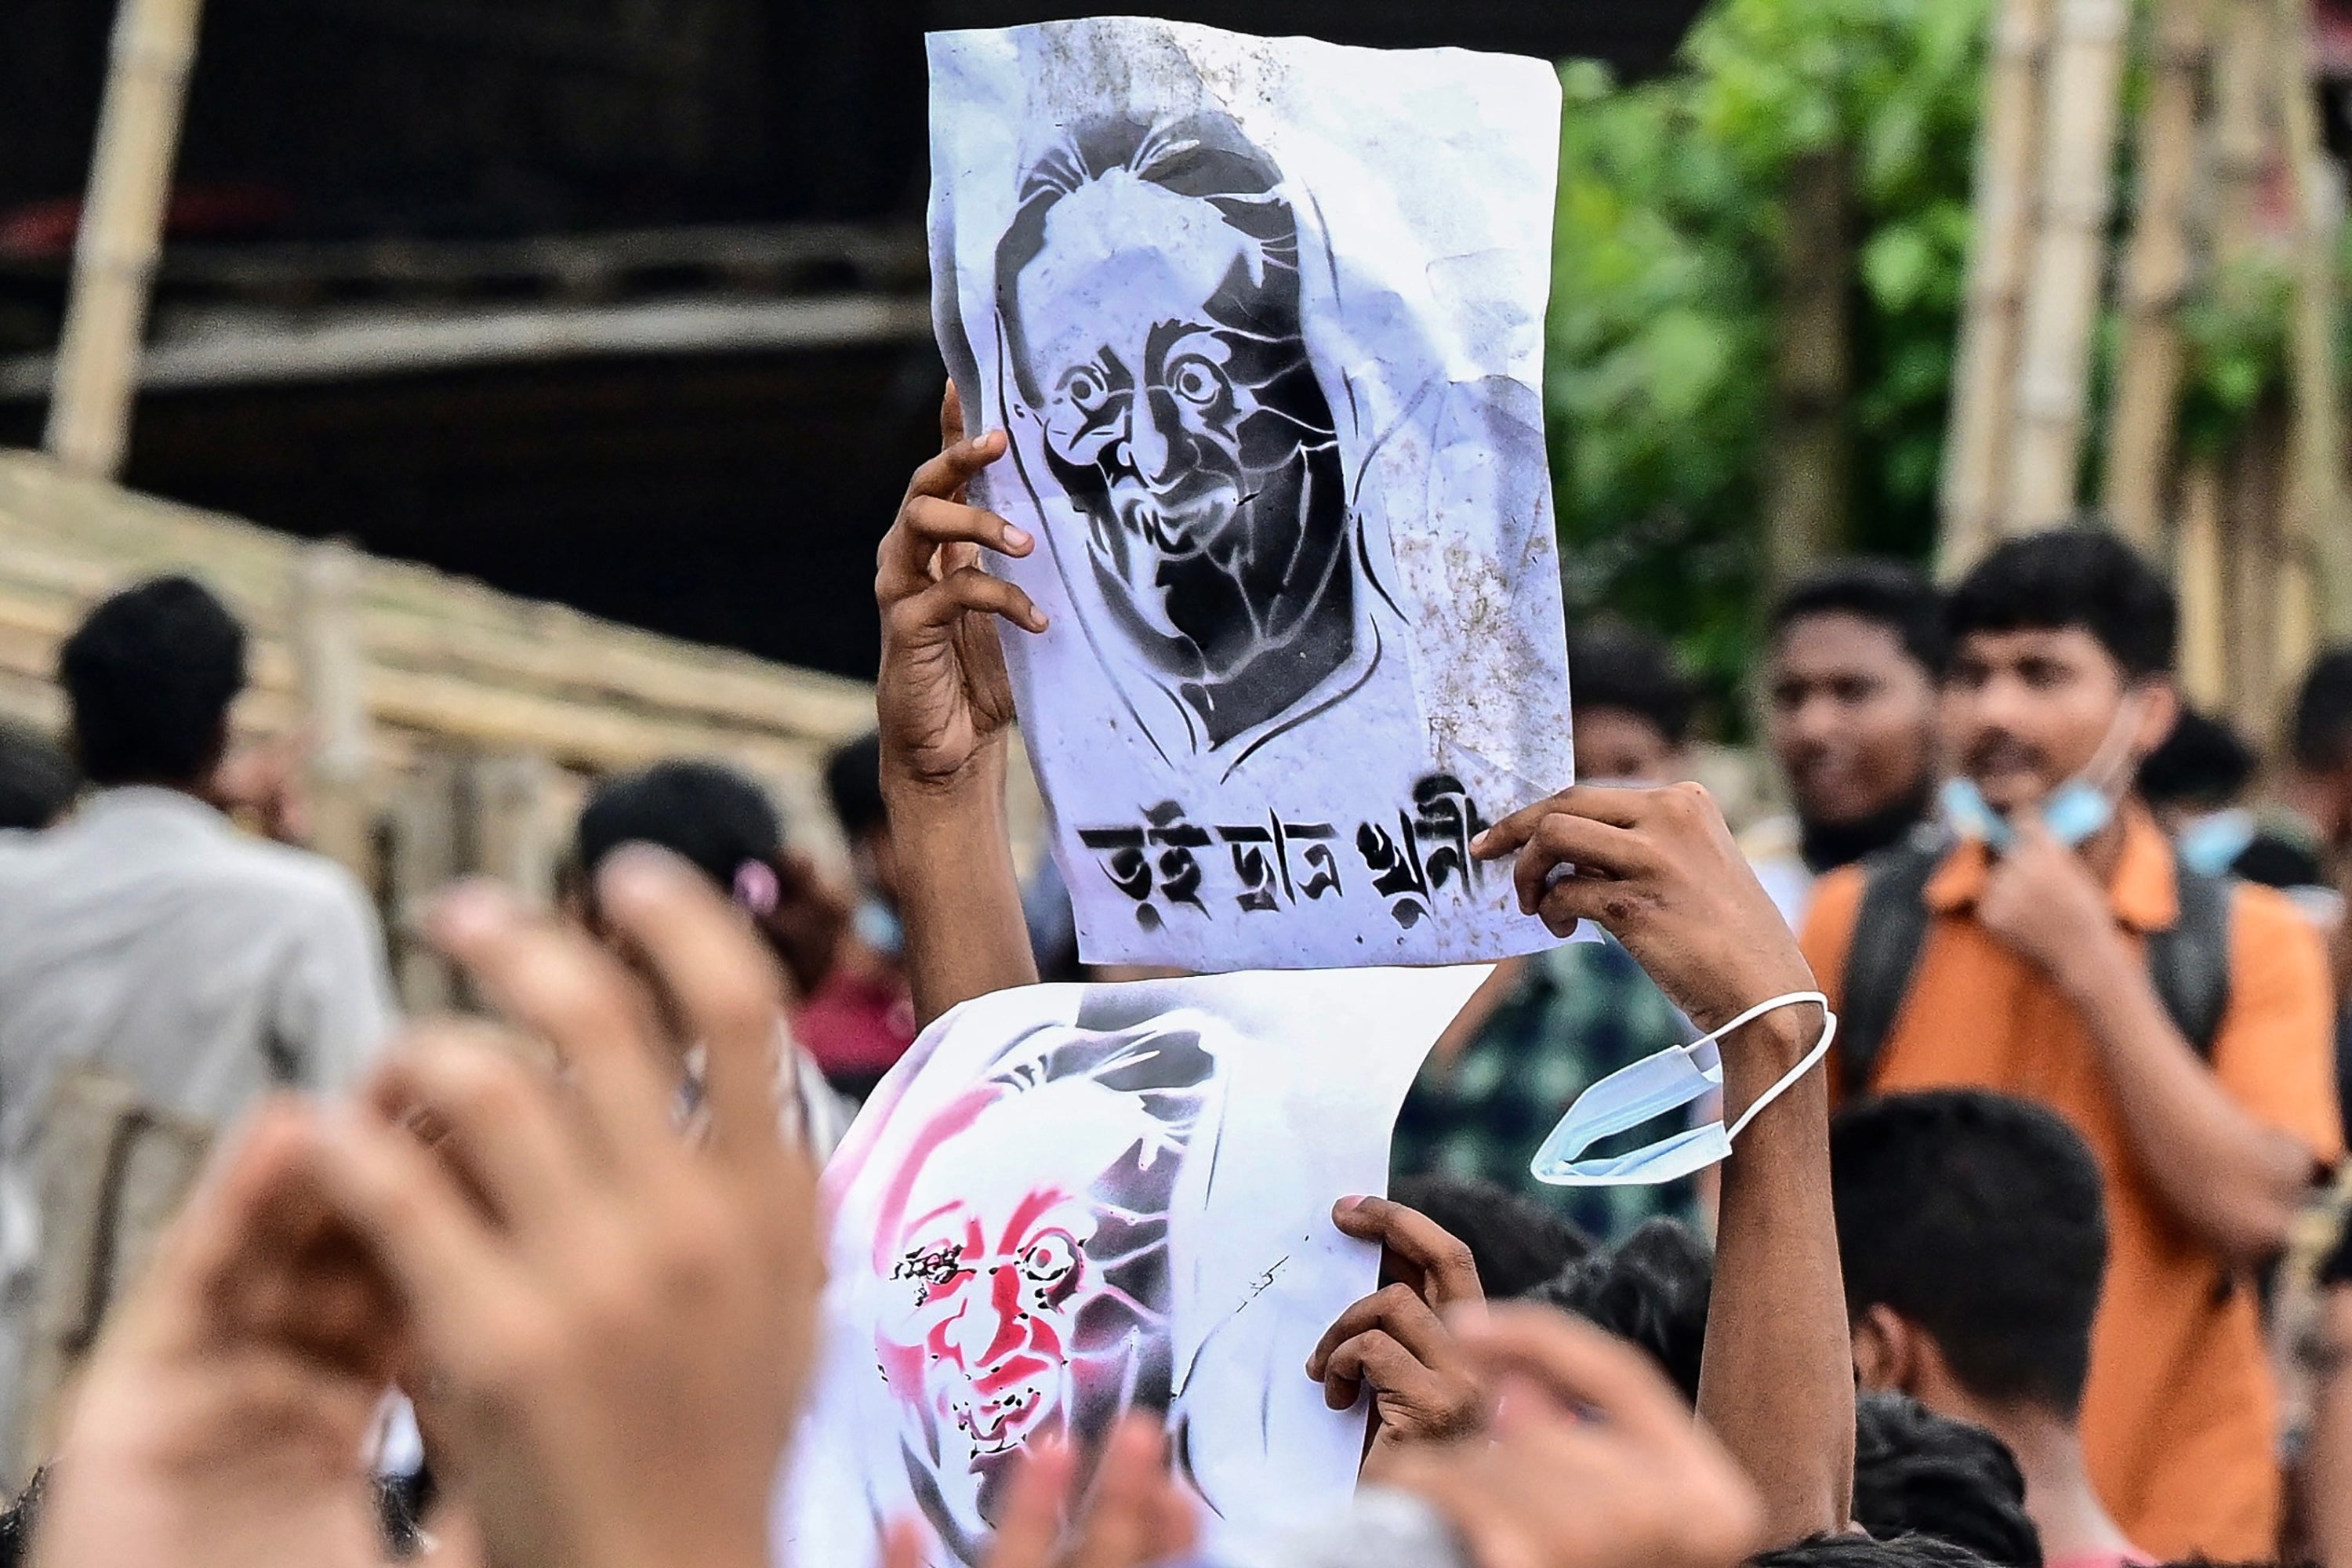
(1264, 320)
(1068, 1202)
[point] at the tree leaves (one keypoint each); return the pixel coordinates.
(1665, 277)
(1664, 287)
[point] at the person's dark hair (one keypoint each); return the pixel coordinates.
(2082, 576)
(1517, 1243)
(38, 781)
(706, 814)
(1916, 1471)
(1650, 1290)
(853, 783)
(2201, 762)
(1613, 664)
(149, 678)
(1980, 1219)
(2321, 732)
(1844, 1549)
(1890, 594)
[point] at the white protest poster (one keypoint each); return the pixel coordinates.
(1068, 1202)
(1263, 319)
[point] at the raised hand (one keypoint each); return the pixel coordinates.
(611, 1329)
(945, 703)
(265, 778)
(222, 1418)
(943, 696)
(1594, 1461)
(1395, 1340)
(1657, 869)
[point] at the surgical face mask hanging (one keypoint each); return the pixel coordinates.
(2075, 811)
(2211, 844)
(1668, 1080)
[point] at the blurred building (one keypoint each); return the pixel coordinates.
(619, 302)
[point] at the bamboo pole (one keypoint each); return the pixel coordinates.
(518, 833)
(2199, 570)
(110, 1172)
(2240, 136)
(2319, 524)
(2268, 586)
(2083, 84)
(1805, 497)
(428, 821)
(121, 233)
(2155, 278)
(2007, 141)
(2265, 583)
(330, 675)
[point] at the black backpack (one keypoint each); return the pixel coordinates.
(2189, 962)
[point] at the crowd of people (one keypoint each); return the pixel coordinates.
(2009, 1279)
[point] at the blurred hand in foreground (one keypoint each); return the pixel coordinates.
(1594, 1461)
(609, 1329)
(222, 1418)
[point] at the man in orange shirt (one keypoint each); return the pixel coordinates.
(2180, 1025)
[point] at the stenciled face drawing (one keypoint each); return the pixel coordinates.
(1021, 1263)
(1149, 292)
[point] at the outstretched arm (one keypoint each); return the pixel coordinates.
(945, 705)
(1657, 868)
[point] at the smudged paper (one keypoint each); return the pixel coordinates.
(1068, 1202)
(1265, 320)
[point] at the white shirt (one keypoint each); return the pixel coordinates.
(1771, 848)
(148, 937)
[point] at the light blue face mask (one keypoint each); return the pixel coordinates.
(2073, 814)
(2077, 810)
(2211, 844)
(1670, 1080)
(876, 924)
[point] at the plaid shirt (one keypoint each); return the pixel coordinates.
(1578, 1013)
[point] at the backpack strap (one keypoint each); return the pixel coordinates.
(2190, 961)
(1889, 928)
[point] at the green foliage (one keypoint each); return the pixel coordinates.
(1667, 260)
(1665, 269)
(2234, 338)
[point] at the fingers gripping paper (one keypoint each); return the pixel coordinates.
(1263, 319)
(1070, 1202)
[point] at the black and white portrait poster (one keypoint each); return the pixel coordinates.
(1263, 319)
(1071, 1202)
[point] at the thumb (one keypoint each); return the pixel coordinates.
(2034, 834)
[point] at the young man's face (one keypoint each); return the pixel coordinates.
(1851, 716)
(2025, 710)
(1614, 745)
